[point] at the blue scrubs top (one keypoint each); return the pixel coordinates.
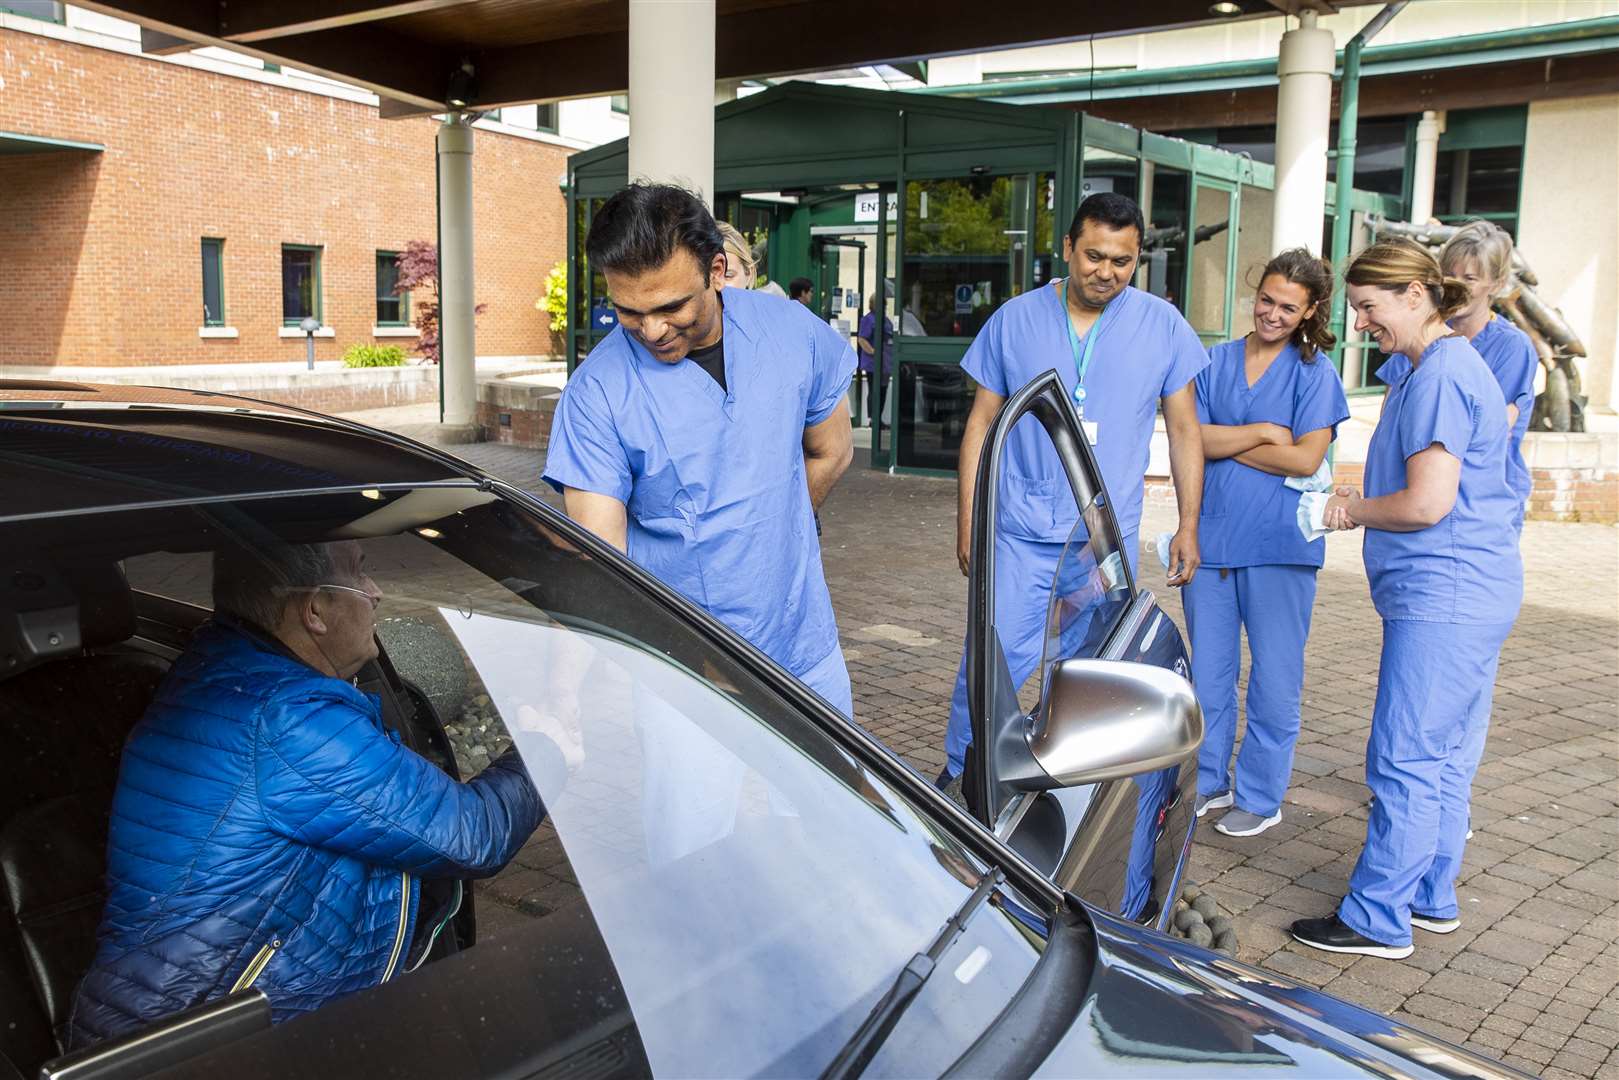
(1512, 359)
(1146, 351)
(713, 479)
(1250, 518)
(1465, 568)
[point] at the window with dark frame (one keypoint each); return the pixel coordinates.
(393, 308)
(213, 281)
(545, 117)
(34, 9)
(300, 283)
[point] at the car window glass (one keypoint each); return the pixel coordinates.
(751, 889)
(1089, 591)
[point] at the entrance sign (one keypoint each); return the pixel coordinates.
(865, 206)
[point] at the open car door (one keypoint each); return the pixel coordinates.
(1096, 783)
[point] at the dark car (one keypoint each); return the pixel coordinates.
(734, 880)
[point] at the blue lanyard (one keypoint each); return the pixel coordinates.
(1082, 352)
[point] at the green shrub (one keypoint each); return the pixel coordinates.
(374, 356)
(555, 301)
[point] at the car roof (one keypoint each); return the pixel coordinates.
(76, 447)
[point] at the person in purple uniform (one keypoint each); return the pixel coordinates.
(1270, 407)
(1480, 256)
(1446, 578)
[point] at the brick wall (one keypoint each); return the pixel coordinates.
(102, 251)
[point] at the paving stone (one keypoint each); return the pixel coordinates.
(1467, 989)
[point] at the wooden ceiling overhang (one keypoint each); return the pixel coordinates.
(519, 51)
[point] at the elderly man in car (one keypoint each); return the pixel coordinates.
(267, 830)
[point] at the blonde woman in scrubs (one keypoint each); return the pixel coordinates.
(1480, 256)
(1441, 553)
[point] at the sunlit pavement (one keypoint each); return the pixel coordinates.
(1531, 975)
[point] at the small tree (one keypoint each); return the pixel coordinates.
(555, 301)
(418, 269)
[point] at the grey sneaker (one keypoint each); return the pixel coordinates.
(1205, 803)
(1434, 924)
(1242, 823)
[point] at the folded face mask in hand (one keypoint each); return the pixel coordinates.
(1312, 514)
(1320, 480)
(1164, 540)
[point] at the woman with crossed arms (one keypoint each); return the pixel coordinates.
(1270, 406)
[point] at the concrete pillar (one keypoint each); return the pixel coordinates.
(672, 93)
(457, 339)
(1303, 112)
(1425, 165)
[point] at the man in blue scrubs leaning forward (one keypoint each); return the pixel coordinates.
(1121, 353)
(701, 434)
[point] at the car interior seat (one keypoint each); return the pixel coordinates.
(68, 699)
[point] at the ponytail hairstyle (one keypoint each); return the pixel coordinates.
(1299, 267)
(1395, 264)
(1481, 242)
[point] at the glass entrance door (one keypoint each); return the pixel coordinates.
(969, 243)
(1213, 260)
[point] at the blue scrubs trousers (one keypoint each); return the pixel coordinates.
(1434, 689)
(1274, 604)
(1024, 574)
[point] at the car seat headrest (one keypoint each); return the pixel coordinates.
(49, 612)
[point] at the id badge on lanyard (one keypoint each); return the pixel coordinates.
(1082, 356)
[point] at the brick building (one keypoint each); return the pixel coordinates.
(164, 212)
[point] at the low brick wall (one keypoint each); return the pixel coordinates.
(329, 388)
(1576, 477)
(516, 413)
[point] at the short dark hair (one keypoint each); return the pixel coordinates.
(252, 584)
(799, 286)
(1108, 208)
(639, 229)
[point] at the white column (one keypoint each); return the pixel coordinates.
(457, 340)
(1303, 112)
(1424, 167)
(672, 93)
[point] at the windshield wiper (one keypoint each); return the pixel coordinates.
(863, 1045)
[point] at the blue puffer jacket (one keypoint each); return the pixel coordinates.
(268, 831)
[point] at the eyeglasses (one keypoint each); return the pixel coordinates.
(375, 598)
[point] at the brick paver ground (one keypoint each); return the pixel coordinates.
(1531, 976)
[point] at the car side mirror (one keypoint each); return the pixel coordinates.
(1107, 720)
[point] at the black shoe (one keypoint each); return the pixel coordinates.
(1332, 935)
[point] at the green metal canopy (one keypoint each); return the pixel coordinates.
(12, 142)
(962, 204)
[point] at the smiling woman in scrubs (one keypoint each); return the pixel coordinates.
(1270, 406)
(1480, 256)
(1442, 555)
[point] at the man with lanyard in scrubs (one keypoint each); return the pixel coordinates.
(1479, 254)
(1270, 407)
(1442, 557)
(1120, 352)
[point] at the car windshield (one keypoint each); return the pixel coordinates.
(755, 888)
